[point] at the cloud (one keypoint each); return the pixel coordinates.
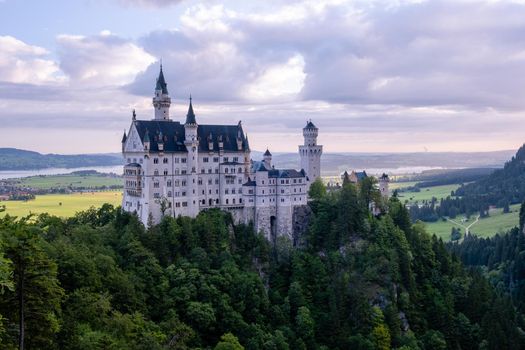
(374, 75)
(411, 53)
(103, 59)
(24, 63)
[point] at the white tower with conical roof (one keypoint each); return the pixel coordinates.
(310, 152)
(161, 100)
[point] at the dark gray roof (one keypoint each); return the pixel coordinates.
(310, 125)
(161, 82)
(361, 175)
(190, 117)
(134, 165)
(124, 137)
(267, 153)
(250, 183)
(173, 135)
(286, 173)
(231, 163)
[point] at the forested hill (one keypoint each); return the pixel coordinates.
(17, 159)
(502, 188)
(100, 280)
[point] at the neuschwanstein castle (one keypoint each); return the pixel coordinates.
(180, 169)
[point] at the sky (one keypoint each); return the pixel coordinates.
(373, 75)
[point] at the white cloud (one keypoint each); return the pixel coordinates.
(24, 63)
(103, 59)
(278, 81)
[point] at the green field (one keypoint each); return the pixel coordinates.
(398, 185)
(427, 193)
(64, 181)
(70, 203)
(486, 227)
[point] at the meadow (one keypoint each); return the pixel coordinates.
(427, 193)
(63, 205)
(485, 227)
(66, 181)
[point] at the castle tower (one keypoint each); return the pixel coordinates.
(267, 158)
(192, 145)
(161, 100)
(310, 152)
(383, 185)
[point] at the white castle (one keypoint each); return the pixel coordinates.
(180, 169)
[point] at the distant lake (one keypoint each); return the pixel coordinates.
(9, 174)
(117, 169)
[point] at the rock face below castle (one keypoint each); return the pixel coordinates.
(179, 169)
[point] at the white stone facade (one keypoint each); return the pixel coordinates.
(180, 169)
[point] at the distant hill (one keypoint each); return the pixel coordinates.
(501, 188)
(332, 163)
(336, 163)
(17, 159)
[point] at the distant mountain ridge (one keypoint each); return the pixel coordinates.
(336, 163)
(332, 163)
(17, 159)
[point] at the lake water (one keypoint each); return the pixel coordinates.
(117, 169)
(9, 174)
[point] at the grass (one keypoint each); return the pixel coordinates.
(71, 203)
(63, 181)
(486, 227)
(427, 193)
(399, 185)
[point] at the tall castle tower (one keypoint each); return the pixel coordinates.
(383, 185)
(161, 100)
(192, 145)
(310, 152)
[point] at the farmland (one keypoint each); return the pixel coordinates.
(61, 204)
(70, 181)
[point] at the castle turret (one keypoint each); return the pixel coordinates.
(161, 100)
(192, 145)
(383, 185)
(267, 158)
(310, 152)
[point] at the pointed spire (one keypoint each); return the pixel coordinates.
(310, 125)
(267, 153)
(190, 117)
(161, 82)
(134, 115)
(124, 137)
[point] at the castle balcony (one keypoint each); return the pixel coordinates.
(133, 179)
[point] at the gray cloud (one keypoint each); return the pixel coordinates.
(431, 53)
(440, 72)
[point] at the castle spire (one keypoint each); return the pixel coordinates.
(190, 117)
(161, 100)
(161, 82)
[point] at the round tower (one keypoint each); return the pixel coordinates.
(310, 152)
(161, 100)
(383, 185)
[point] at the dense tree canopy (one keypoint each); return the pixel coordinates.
(100, 280)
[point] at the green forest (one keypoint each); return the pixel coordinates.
(100, 280)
